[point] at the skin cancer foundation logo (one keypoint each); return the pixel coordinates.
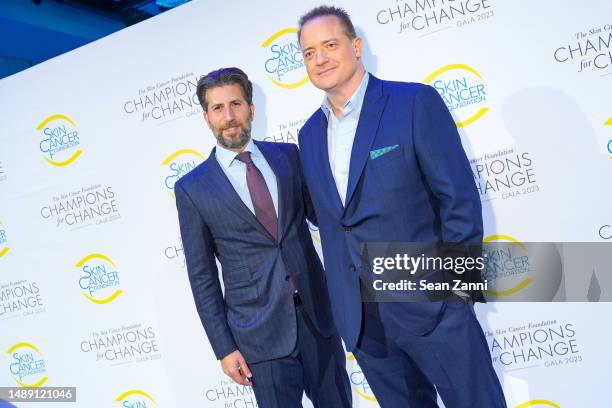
(358, 381)
(283, 61)
(516, 270)
(3, 241)
(99, 279)
(538, 404)
(60, 140)
(177, 165)
(135, 399)
(463, 90)
(27, 365)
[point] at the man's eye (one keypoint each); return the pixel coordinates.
(308, 54)
(331, 45)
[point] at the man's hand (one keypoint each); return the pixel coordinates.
(235, 367)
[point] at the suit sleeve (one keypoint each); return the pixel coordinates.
(446, 168)
(198, 245)
(448, 173)
(309, 209)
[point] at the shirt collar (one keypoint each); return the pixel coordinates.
(225, 157)
(354, 103)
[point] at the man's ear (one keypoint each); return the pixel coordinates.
(358, 45)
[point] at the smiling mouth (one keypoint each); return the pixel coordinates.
(327, 71)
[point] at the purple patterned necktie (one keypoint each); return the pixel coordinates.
(260, 195)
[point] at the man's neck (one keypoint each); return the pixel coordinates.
(339, 97)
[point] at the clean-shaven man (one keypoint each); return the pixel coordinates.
(245, 206)
(384, 163)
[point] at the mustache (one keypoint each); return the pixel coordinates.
(230, 124)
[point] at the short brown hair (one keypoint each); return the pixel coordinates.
(221, 77)
(321, 11)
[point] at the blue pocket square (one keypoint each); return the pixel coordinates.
(375, 154)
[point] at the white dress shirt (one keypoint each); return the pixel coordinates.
(235, 170)
(341, 135)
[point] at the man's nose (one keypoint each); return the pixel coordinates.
(228, 114)
(321, 57)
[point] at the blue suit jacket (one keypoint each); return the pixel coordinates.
(422, 190)
(257, 314)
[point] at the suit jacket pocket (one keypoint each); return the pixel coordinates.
(237, 277)
(394, 157)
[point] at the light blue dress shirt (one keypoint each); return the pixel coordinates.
(235, 170)
(341, 135)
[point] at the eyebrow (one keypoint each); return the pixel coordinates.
(322, 42)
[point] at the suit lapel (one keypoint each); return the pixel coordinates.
(369, 119)
(233, 201)
(322, 159)
(279, 166)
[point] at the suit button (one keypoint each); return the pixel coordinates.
(352, 268)
(348, 229)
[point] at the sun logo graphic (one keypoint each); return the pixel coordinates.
(60, 140)
(27, 365)
(359, 383)
(520, 271)
(538, 404)
(177, 165)
(135, 399)
(463, 90)
(283, 61)
(3, 241)
(99, 279)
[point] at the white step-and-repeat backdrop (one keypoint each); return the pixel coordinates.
(93, 287)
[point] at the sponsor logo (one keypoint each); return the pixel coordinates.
(286, 132)
(587, 50)
(136, 399)
(283, 61)
(520, 271)
(27, 365)
(177, 165)
(22, 298)
(359, 383)
(96, 204)
(526, 345)
(99, 279)
(166, 100)
(538, 404)
(174, 252)
(230, 394)
(60, 140)
(423, 17)
(506, 174)
(3, 240)
(463, 90)
(135, 343)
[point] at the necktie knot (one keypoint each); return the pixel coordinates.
(245, 157)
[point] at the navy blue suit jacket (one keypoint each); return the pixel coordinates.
(420, 191)
(257, 314)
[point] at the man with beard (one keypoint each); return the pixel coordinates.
(246, 206)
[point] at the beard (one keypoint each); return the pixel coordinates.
(235, 143)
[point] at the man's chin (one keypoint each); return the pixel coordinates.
(236, 143)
